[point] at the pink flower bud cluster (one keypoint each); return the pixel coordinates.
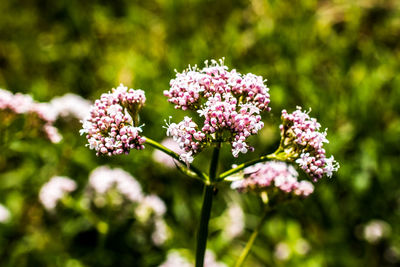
(187, 135)
(110, 127)
(54, 190)
(229, 102)
(301, 133)
(273, 174)
(24, 104)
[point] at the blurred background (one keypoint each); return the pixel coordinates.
(341, 58)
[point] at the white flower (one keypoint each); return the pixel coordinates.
(103, 179)
(4, 214)
(186, 157)
(160, 234)
(375, 230)
(54, 190)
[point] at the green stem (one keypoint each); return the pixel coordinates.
(252, 238)
(201, 175)
(277, 155)
(206, 210)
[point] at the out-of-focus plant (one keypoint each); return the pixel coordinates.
(227, 106)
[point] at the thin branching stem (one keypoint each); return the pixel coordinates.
(201, 175)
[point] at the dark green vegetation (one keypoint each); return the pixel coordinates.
(341, 58)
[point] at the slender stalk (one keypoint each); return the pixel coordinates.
(277, 155)
(204, 177)
(206, 210)
(252, 238)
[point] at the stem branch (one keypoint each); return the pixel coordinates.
(277, 155)
(174, 155)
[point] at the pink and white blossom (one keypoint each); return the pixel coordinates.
(110, 128)
(228, 102)
(301, 135)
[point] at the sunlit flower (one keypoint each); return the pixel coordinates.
(303, 142)
(228, 101)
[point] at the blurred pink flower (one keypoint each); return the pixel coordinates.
(272, 174)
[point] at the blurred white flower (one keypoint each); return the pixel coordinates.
(5, 214)
(210, 261)
(375, 230)
(103, 179)
(175, 259)
(160, 234)
(71, 105)
(151, 204)
(282, 251)
(235, 223)
(302, 246)
(54, 190)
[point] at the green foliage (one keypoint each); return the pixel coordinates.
(341, 58)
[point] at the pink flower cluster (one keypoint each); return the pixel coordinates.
(266, 176)
(110, 127)
(301, 134)
(24, 104)
(228, 101)
(187, 135)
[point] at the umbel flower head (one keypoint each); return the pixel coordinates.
(303, 142)
(228, 102)
(270, 176)
(112, 126)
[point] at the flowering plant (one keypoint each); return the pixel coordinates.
(228, 105)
